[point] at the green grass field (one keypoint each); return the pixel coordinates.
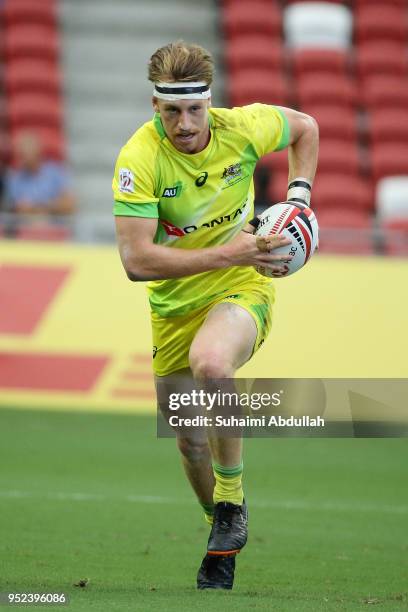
(98, 497)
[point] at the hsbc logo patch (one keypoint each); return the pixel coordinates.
(126, 180)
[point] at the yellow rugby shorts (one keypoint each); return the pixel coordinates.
(172, 336)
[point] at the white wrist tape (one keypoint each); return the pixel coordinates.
(300, 190)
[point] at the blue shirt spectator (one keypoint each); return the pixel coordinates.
(37, 186)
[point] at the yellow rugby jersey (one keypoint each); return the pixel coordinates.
(200, 200)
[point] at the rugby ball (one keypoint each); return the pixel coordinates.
(298, 223)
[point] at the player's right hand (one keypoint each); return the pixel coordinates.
(249, 250)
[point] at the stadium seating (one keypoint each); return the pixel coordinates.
(246, 87)
(384, 92)
(33, 84)
(275, 162)
(392, 198)
(277, 187)
(358, 95)
(317, 24)
(330, 191)
(342, 191)
(395, 237)
(387, 58)
(4, 148)
(31, 41)
(357, 4)
(51, 138)
(324, 89)
(381, 23)
(255, 18)
(4, 142)
(3, 112)
(42, 12)
(249, 51)
(344, 2)
(337, 156)
(335, 123)
(33, 110)
(32, 76)
(345, 231)
(44, 232)
(310, 60)
(389, 160)
(346, 218)
(388, 127)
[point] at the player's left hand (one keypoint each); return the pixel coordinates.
(265, 245)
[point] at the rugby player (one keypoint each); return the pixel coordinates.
(184, 193)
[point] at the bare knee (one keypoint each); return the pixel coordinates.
(195, 451)
(207, 365)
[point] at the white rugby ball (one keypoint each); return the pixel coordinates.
(298, 223)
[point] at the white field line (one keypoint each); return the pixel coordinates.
(294, 504)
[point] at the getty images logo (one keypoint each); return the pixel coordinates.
(209, 401)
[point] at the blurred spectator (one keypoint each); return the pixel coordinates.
(1, 179)
(37, 186)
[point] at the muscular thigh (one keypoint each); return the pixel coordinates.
(172, 338)
(227, 334)
(235, 327)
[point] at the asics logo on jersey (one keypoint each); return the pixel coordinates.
(202, 179)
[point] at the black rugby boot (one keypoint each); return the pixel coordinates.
(229, 532)
(216, 572)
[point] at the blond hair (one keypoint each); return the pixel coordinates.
(179, 61)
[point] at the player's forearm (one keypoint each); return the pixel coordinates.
(303, 153)
(156, 262)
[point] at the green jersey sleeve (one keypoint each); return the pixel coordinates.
(267, 127)
(134, 183)
(124, 209)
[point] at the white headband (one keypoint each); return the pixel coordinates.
(197, 90)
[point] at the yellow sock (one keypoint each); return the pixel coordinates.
(228, 484)
(208, 512)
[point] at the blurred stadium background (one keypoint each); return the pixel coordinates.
(75, 335)
(75, 74)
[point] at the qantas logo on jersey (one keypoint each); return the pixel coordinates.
(173, 230)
